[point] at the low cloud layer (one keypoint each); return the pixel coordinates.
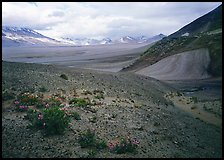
(103, 19)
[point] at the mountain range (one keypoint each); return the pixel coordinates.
(16, 36)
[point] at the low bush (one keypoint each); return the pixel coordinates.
(75, 115)
(51, 121)
(124, 146)
(55, 120)
(87, 139)
(78, 102)
(28, 99)
(64, 76)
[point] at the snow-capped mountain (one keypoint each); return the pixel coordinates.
(141, 39)
(126, 39)
(106, 41)
(86, 41)
(16, 36)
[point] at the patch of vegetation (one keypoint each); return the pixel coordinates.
(54, 101)
(51, 121)
(56, 121)
(64, 76)
(124, 146)
(75, 115)
(102, 144)
(78, 102)
(92, 153)
(26, 100)
(88, 139)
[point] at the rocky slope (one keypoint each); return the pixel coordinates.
(187, 65)
(133, 106)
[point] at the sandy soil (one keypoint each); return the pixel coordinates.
(139, 103)
(183, 66)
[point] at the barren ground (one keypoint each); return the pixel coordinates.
(142, 111)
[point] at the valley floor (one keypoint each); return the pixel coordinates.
(134, 106)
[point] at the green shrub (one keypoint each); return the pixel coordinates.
(54, 101)
(87, 139)
(78, 102)
(102, 144)
(31, 114)
(28, 99)
(91, 154)
(124, 146)
(56, 121)
(51, 121)
(64, 76)
(76, 115)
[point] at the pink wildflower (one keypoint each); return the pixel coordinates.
(135, 141)
(47, 105)
(40, 116)
(16, 102)
(111, 146)
(21, 107)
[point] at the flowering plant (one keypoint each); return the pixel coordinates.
(123, 145)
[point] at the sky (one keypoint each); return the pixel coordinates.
(103, 19)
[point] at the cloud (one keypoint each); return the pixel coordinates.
(103, 19)
(57, 14)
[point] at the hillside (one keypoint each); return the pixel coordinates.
(210, 38)
(209, 22)
(120, 105)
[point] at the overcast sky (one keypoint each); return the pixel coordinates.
(103, 19)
